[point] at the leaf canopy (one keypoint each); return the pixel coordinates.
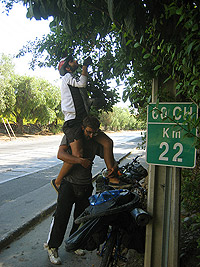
(131, 40)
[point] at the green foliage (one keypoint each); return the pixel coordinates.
(55, 129)
(190, 189)
(120, 119)
(35, 99)
(132, 40)
(176, 53)
(190, 194)
(7, 97)
(6, 66)
(59, 43)
(27, 98)
(137, 91)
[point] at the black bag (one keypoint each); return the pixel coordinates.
(89, 236)
(94, 232)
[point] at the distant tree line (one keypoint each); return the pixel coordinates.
(121, 119)
(24, 98)
(29, 99)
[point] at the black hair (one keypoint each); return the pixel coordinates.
(67, 60)
(92, 122)
(63, 70)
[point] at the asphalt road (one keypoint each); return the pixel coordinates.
(26, 155)
(20, 158)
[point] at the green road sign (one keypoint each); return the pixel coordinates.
(167, 143)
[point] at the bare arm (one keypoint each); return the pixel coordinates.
(64, 155)
(84, 71)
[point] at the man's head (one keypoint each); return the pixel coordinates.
(90, 127)
(67, 64)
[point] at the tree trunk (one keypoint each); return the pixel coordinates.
(19, 121)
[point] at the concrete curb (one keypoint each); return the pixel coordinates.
(26, 226)
(12, 235)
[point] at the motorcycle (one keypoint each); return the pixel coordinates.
(115, 220)
(131, 173)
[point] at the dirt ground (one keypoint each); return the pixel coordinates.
(30, 131)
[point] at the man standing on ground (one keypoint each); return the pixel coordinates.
(76, 187)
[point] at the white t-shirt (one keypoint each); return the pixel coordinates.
(72, 104)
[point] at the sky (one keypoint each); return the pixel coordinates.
(15, 31)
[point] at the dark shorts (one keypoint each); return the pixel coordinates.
(73, 130)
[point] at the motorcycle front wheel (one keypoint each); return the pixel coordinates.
(108, 257)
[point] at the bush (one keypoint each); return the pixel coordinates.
(190, 188)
